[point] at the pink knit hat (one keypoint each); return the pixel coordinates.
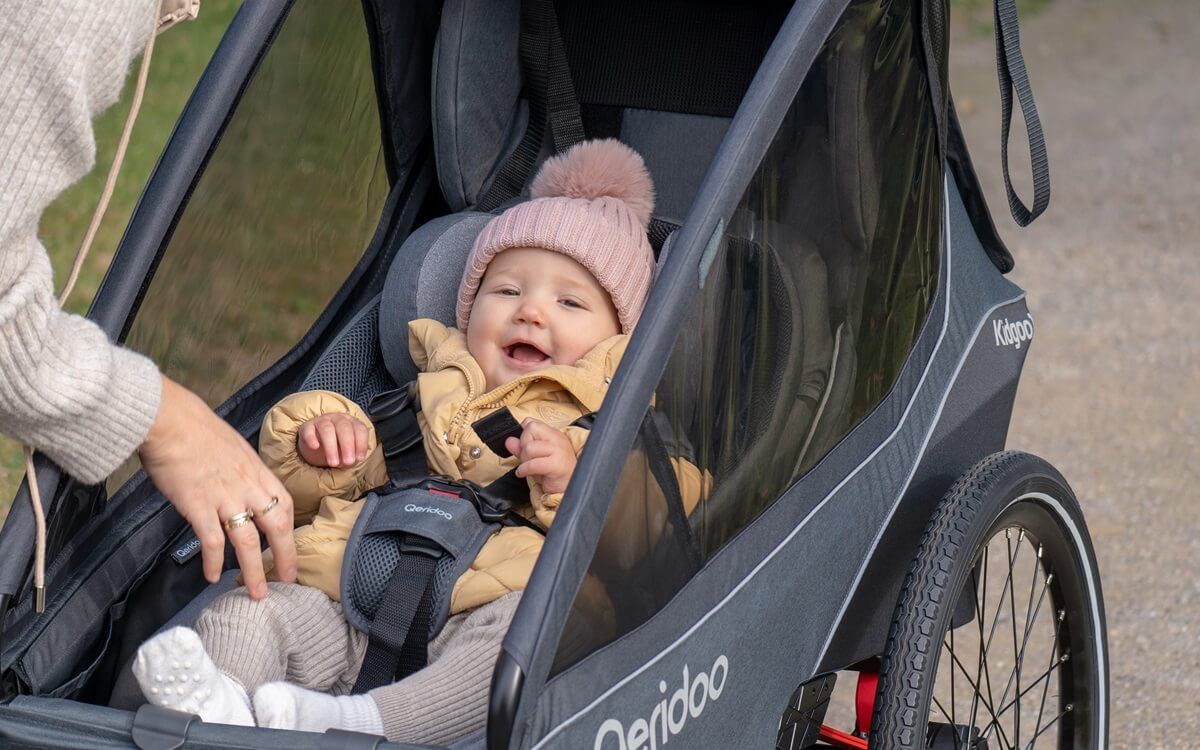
(591, 203)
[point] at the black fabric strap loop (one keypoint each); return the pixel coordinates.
(551, 98)
(398, 640)
(1010, 66)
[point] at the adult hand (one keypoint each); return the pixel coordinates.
(544, 453)
(210, 474)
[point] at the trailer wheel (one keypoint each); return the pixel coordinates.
(998, 640)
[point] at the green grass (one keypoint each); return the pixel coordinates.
(179, 58)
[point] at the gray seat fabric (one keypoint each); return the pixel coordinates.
(476, 87)
(479, 115)
(423, 283)
(678, 149)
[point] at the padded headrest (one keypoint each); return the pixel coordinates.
(476, 90)
(422, 282)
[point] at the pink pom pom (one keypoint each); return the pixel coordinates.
(597, 168)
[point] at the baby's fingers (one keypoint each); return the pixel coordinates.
(346, 441)
(539, 467)
(308, 435)
(513, 444)
(535, 429)
(362, 438)
(327, 432)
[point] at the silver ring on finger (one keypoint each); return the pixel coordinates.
(238, 520)
(270, 506)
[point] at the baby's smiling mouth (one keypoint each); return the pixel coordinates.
(525, 354)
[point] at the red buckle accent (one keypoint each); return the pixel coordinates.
(444, 492)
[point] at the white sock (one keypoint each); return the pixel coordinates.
(174, 671)
(281, 705)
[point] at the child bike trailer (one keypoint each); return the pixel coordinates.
(831, 340)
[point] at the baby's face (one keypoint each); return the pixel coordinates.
(536, 308)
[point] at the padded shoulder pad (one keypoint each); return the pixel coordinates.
(422, 282)
(476, 86)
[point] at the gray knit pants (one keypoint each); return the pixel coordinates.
(298, 635)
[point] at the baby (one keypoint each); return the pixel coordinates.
(550, 292)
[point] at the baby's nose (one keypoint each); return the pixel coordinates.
(531, 312)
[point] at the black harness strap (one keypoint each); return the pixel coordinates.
(659, 461)
(398, 641)
(394, 414)
(1010, 65)
(551, 98)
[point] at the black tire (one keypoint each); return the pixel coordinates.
(1006, 497)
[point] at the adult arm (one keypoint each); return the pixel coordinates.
(65, 388)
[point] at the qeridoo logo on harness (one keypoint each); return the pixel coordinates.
(1013, 334)
(669, 715)
(414, 508)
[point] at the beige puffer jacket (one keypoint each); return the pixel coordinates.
(451, 387)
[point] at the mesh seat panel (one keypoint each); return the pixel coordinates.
(353, 366)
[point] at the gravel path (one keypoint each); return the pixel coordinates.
(1110, 392)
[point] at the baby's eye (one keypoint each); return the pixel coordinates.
(508, 292)
(571, 303)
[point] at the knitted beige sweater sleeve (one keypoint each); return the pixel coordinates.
(64, 388)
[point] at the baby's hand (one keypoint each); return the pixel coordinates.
(545, 453)
(333, 440)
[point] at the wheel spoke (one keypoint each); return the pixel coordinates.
(953, 692)
(1055, 661)
(1020, 655)
(987, 669)
(1030, 616)
(989, 706)
(979, 667)
(942, 708)
(1012, 613)
(1053, 721)
(1000, 605)
(1054, 664)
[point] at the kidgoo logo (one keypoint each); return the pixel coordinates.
(414, 508)
(1013, 334)
(669, 715)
